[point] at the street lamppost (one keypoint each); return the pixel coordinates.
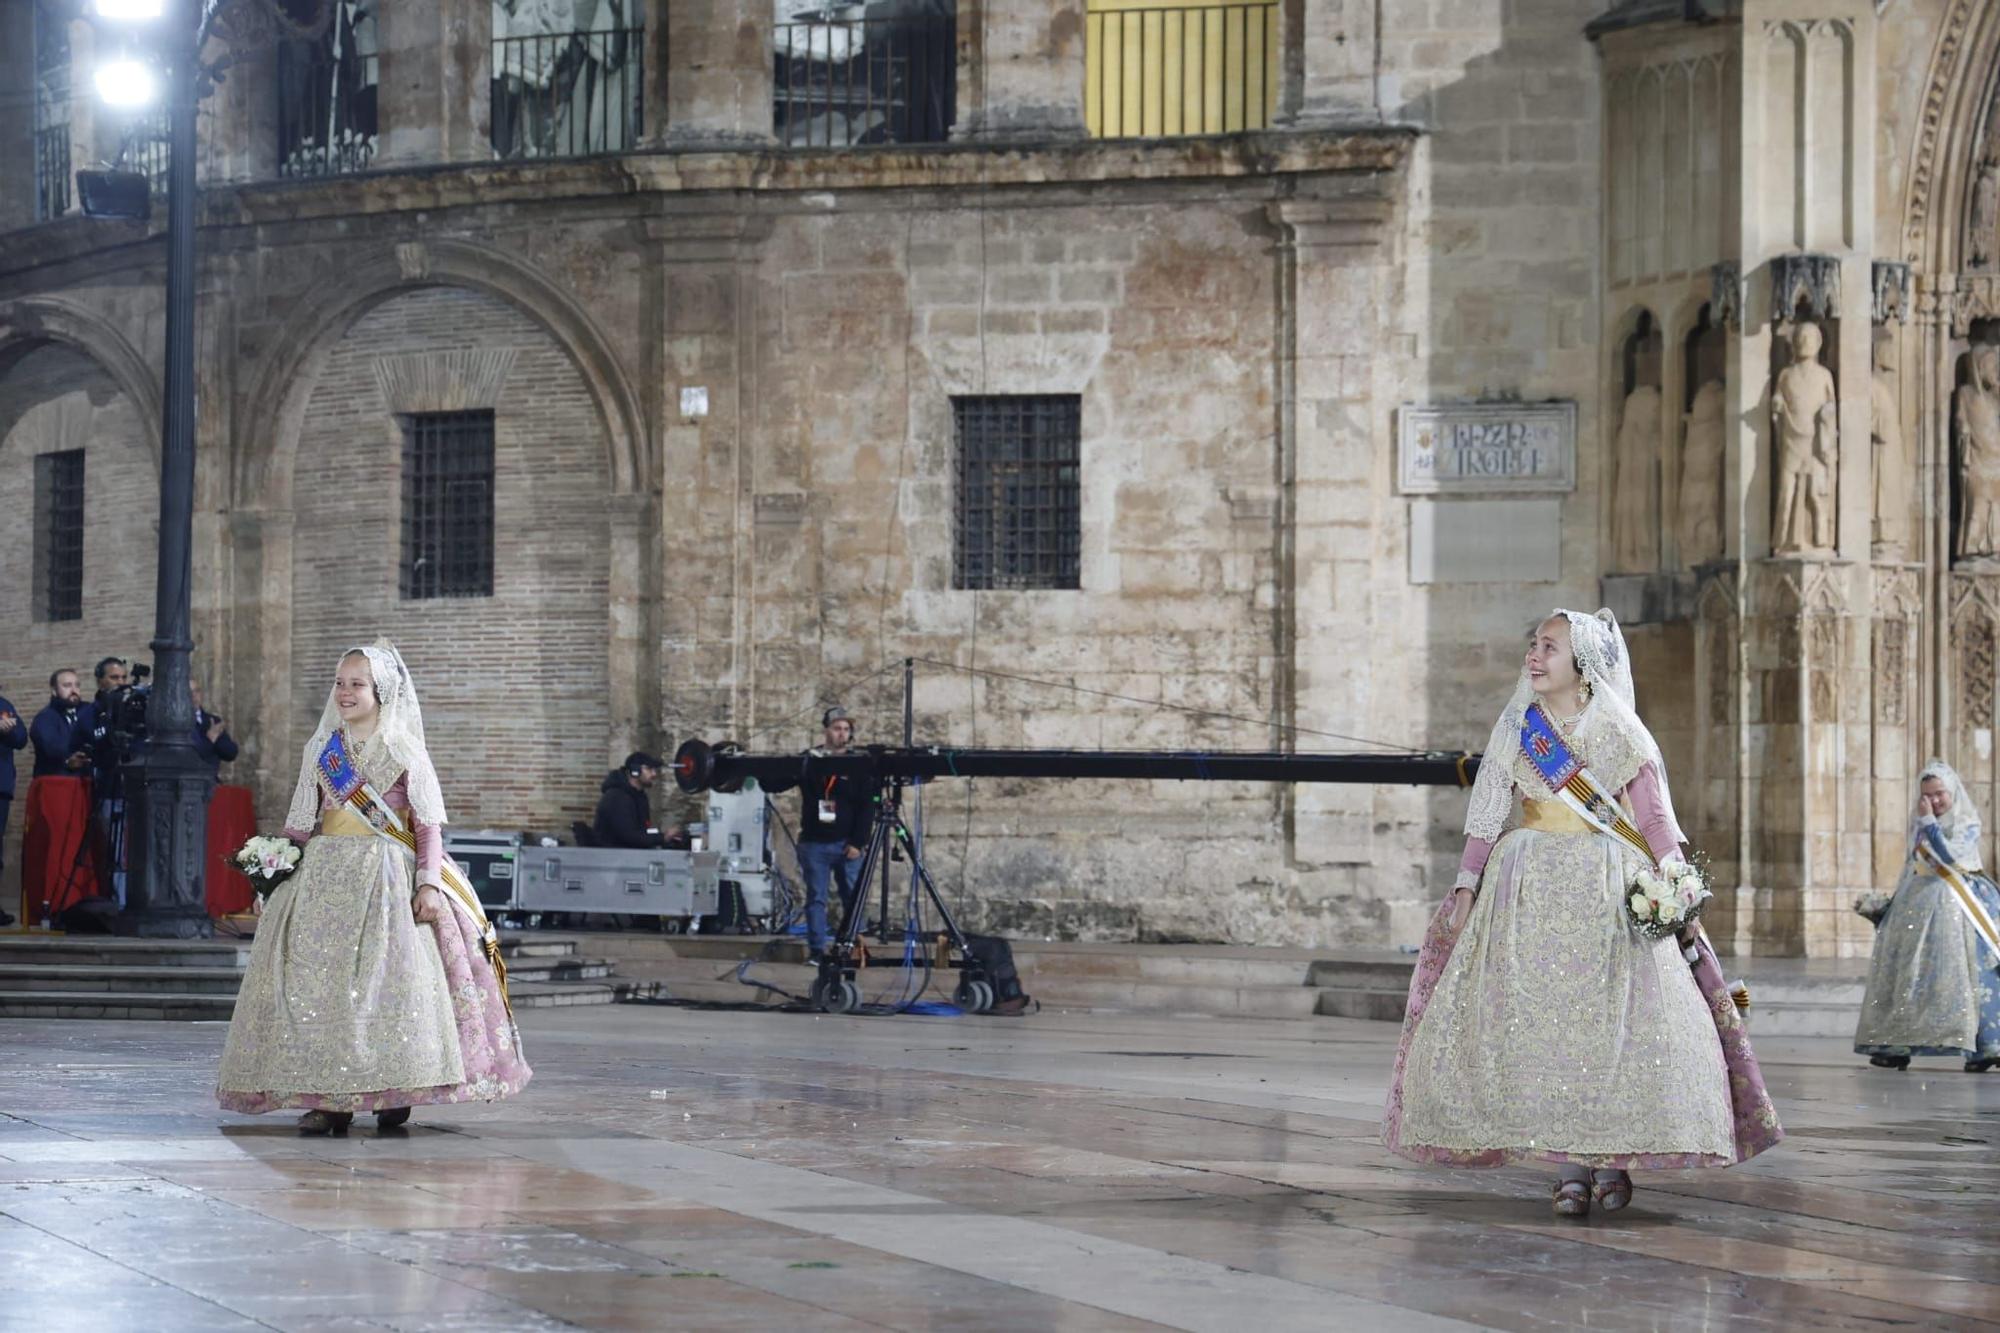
(168, 786)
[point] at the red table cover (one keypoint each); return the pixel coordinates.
(58, 864)
(232, 821)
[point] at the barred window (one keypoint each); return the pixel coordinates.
(1018, 464)
(447, 505)
(58, 571)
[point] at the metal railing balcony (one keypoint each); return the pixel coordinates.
(843, 80)
(327, 106)
(568, 94)
(1154, 69)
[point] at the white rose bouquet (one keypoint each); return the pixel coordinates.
(268, 862)
(1873, 906)
(1667, 900)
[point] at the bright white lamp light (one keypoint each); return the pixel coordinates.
(125, 83)
(130, 9)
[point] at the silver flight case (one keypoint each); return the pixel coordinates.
(637, 881)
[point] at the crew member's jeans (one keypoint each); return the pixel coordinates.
(819, 862)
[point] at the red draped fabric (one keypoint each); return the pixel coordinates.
(58, 864)
(231, 822)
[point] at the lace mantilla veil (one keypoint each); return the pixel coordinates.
(1601, 656)
(1960, 825)
(400, 727)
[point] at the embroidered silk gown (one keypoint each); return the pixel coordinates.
(349, 1003)
(1550, 1029)
(1933, 985)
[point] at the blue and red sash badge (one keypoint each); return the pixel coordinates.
(1546, 749)
(343, 779)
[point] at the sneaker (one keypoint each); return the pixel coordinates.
(1013, 1008)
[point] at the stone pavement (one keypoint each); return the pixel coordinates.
(683, 1169)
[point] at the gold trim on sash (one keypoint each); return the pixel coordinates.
(344, 823)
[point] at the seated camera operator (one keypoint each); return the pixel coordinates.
(212, 740)
(624, 810)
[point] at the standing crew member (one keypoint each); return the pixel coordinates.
(834, 825)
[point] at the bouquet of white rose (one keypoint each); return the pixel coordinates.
(268, 862)
(1873, 906)
(1666, 901)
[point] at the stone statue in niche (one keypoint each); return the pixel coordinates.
(1892, 465)
(1700, 508)
(1985, 237)
(1635, 542)
(1805, 423)
(1976, 415)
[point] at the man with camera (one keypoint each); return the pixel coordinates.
(112, 727)
(13, 736)
(212, 741)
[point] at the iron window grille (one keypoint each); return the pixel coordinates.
(566, 94)
(1019, 519)
(842, 80)
(58, 572)
(447, 505)
(52, 169)
(327, 104)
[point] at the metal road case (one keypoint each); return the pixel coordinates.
(490, 861)
(637, 881)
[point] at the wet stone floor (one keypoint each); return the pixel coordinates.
(681, 1169)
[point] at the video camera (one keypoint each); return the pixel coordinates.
(120, 721)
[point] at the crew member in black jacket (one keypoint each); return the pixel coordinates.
(624, 810)
(13, 736)
(59, 750)
(835, 819)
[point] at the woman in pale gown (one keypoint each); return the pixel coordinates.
(1934, 982)
(369, 988)
(1542, 1026)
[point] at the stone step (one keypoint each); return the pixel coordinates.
(1771, 1019)
(115, 1004)
(76, 978)
(534, 944)
(1389, 973)
(552, 995)
(557, 969)
(1373, 1004)
(104, 952)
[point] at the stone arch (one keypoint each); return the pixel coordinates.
(263, 475)
(1963, 81)
(35, 321)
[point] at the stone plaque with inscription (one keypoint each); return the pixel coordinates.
(1477, 448)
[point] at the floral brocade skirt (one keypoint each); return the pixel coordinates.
(1933, 988)
(1550, 1030)
(349, 1004)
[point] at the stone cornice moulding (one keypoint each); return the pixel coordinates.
(712, 238)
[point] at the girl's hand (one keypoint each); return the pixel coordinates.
(429, 905)
(1461, 908)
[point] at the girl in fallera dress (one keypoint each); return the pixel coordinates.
(1934, 980)
(1542, 1025)
(373, 984)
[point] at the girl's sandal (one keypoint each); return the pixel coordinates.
(325, 1122)
(1610, 1190)
(1572, 1198)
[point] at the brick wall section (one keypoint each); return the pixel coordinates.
(56, 398)
(512, 685)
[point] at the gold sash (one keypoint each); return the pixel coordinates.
(344, 823)
(1552, 817)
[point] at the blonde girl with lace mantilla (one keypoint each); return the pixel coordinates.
(1543, 1025)
(369, 988)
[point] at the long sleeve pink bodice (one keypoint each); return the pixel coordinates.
(430, 838)
(1649, 813)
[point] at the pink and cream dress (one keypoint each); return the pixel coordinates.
(349, 1003)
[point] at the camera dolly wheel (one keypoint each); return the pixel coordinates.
(836, 995)
(973, 995)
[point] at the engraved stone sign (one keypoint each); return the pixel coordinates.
(1485, 447)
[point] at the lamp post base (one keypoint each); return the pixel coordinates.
(166, 811)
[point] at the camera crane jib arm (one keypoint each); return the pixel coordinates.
(699, 766)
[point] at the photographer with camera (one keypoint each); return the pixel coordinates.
(113, 729)
(212, 740)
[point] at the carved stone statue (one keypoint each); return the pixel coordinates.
(1976, 415)
(1635, 542)
(1892, 464)
(1700, 510)
(1805, 423)
(1985, 237)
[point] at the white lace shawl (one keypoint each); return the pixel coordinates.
(1960, 825)
(1610, 736)
(399, 735)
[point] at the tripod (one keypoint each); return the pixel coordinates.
(835, 991)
